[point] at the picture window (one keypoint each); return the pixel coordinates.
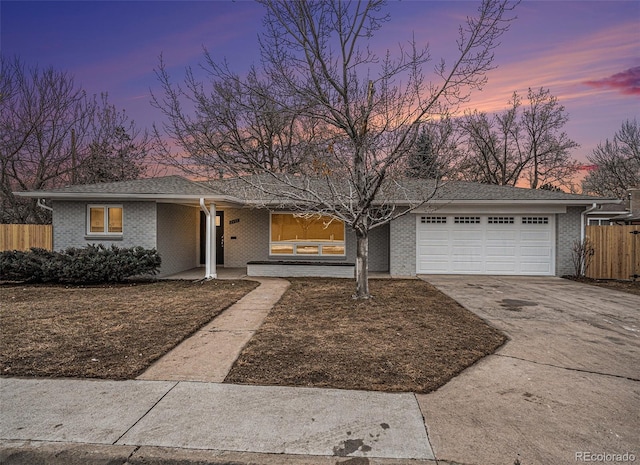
(306, 235)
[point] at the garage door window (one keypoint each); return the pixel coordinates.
(535, 220)
(434, 219)
(466, 220)
(501, 220)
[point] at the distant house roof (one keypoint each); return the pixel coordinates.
(246, 191)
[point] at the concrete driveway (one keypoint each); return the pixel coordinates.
(563, 389)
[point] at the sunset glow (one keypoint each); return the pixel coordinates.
(587, 53)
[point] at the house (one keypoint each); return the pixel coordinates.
(632, 215)
(624, 212)
(466, 228)
(603, 214)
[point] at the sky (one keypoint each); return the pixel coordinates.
(586, 52)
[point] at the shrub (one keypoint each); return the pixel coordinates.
(581, 254)
(91, 264)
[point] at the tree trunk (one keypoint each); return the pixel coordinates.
(362, 264)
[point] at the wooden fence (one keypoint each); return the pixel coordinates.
(25, 236)
(617, 252)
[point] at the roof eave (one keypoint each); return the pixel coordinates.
(84, 196)
(572, 202)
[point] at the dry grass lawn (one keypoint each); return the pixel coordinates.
(409, 337)
(113, 331)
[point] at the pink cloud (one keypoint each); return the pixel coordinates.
(627, 82)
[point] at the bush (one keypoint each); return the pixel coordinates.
(91, 264)
(582, 253)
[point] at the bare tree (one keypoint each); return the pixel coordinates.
(493, 156)
(523, 143)
(617, 163)
(545, 143)
(51, 133)
(347, 118)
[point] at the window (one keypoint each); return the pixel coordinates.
(501, 220)
(104, 219)
(535, 220)
(306, 235)
(599, 222)
(434, 219)
(466, 220)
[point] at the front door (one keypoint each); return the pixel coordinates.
(219, 238)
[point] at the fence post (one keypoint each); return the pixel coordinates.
(634, 256)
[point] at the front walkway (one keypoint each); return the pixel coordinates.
(209, 354)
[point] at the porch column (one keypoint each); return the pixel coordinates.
(210, 246)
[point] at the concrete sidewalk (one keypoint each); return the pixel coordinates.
(209, 354)
(125, 418)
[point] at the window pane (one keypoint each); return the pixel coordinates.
(307, 249)
(291, 227)
(96, 220)
(115, 220)
(281, 250)
(332, 250)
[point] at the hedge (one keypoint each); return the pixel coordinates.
(91, 264)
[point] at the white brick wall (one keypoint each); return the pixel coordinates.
(177, 237)
(247, 238)
(402, 249)
(567, 232)
(379, 249)
(70, 219)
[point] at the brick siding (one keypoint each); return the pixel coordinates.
(402, 251)
(177, 237)
(567, 232)
(70, 225)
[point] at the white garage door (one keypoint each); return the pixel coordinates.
(485, 244)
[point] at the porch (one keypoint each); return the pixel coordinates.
(196, 274)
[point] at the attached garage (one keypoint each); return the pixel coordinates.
(494, 244)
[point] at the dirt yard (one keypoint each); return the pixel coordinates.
(110, 332)
(632, 287)
(409, 337)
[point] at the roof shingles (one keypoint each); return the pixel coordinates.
(409, 190)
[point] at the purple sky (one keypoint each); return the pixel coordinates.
(586, 52)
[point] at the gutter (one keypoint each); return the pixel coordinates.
(583, 217)
(41, 204)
